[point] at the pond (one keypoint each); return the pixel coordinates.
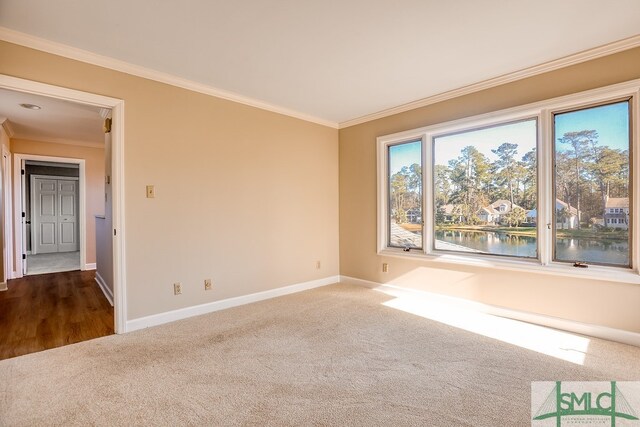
(590, 250)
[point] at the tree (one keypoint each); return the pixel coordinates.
(609, 170)
(507, 165)
(515, 216)
(405, 192)
(398, 196)
(442, 185)
(440, 215)
(414, 185)
(564, 179)
(579, 153)
(529, 179)
(470, 177)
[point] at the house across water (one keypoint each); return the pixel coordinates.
(616, 212)
(566, 216)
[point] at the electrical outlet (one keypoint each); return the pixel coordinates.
(385, 267)
(318, 265)
(177, 288)
(207, 285)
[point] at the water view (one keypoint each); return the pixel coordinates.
(590, 250)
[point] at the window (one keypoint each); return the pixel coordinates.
(405, 195)
(591, 162)
(487, 176)
(546, 184)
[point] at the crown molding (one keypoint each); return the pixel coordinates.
(70, 52)
(88, 144)
(584, 56)
(6, 124)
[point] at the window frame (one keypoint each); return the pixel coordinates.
(614, 211)
(544, 112)
(387, 183)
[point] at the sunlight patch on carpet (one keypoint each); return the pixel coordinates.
(558, 344)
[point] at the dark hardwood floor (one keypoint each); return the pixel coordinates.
(51, 310)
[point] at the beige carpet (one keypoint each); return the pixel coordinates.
(329, 356)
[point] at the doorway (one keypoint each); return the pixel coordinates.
(14, 240)
(52, 221)
(50, 225)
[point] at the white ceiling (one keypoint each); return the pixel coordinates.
(335, 60)
(57, 121)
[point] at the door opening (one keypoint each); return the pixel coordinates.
(14, 241)
(47, 231)
(52, 220)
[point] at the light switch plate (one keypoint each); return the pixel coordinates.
(151, 192)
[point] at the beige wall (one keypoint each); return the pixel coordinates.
(246, 197)
(94, 171)
(591, 301)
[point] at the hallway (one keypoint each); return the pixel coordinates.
(52, 310)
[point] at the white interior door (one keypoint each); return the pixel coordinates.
(45, 220)
(68, 216)
(55, 215)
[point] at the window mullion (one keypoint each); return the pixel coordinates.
(545, 187)
(427, 194)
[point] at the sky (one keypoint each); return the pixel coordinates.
(610, 121)
(522, 133)
(404, 155)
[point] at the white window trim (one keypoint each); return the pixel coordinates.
(543, 111)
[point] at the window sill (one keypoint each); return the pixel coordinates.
(593, 272)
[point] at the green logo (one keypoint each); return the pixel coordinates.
(609, 403)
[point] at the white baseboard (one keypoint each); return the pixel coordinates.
(597, 331)
(196, 310)
(105, 289)
(3, 286)
(90, 266)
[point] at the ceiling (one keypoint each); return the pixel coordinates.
(331, 60)
(57, 120)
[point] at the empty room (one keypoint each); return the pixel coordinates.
(320, 213)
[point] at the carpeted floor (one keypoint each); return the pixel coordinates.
(329, 356)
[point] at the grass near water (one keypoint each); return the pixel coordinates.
(529, 231)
